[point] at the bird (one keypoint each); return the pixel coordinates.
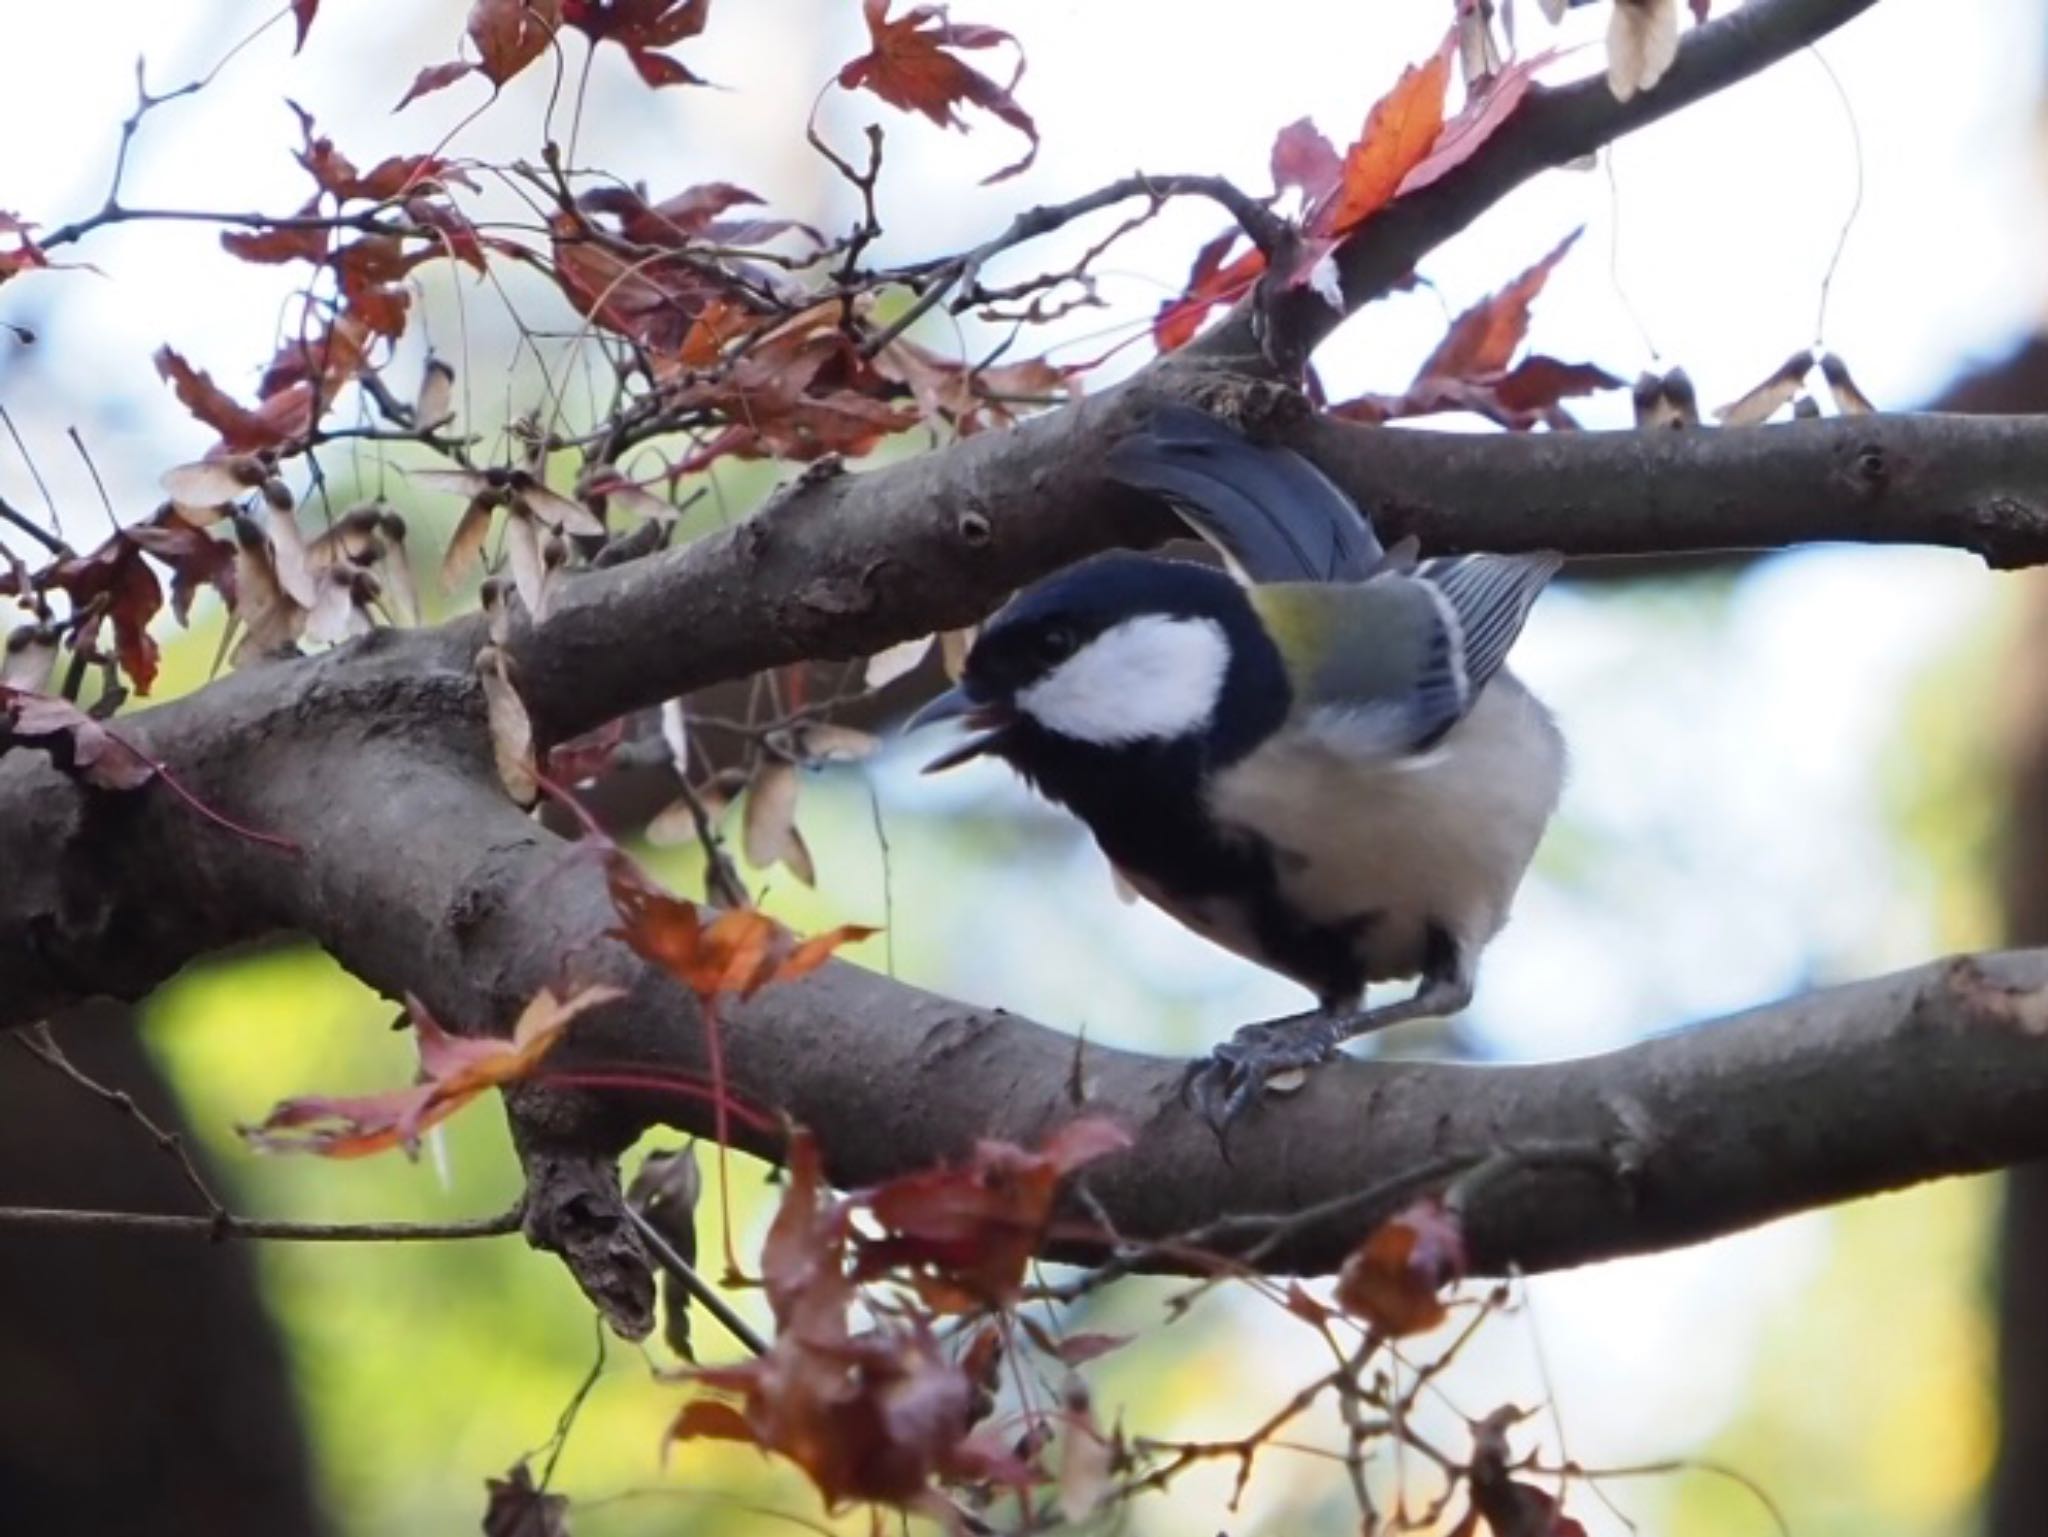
(1315, 758)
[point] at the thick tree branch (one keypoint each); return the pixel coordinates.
(843, 565)
(429, 879)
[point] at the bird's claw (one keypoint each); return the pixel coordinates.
(1222, 1085)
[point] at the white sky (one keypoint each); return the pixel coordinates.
(1725, 768)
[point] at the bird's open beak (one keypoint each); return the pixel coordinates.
(991, 722)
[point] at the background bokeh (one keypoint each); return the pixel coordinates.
(1784, 770)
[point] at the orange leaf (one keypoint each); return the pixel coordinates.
(1398, 134)
(812, 953)
(973, 1229)
(1210, 282)
(739, 951)
(455, 1069)
(1483, 339)
(1392, 1280)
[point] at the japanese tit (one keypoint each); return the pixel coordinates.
(1321, 765)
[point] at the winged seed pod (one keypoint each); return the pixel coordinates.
(1642, 43)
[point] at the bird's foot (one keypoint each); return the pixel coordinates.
(1222, 1085)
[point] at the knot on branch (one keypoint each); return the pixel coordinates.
(575, 1210)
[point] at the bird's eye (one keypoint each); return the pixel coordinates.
(1057, 643)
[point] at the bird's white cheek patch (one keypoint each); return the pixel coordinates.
(1152, 678)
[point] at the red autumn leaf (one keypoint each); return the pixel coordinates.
(435, 77)
(322, 362)
(77, 743)
(196, 559)
(1210, 282)
(511, 34)
(117, 580)
(401, 175)
(284, 417)
(1304, 160)
(876, 1415)
(1479, 120)
(1392, 1280)
(908, 65)
(642, 27)
(274, 246)
(799, 391)
(688, 216)
(972, 1230)
(454, 1070)
(1399, 132)
(1483, 339)
(1523, 397)
(458, 238)
(1510, 1508)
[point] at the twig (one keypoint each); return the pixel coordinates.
(22, 521)
(1268, 231)
(39, 1043)
(57, 547)
(699, 1289)
(229, 1226)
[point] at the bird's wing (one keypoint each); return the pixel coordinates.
(1392, 663)
(1272, 514)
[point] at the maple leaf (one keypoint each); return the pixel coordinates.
(511, 34)
(909, 67)
(1510, 1508)
(195, 559)
(434, 77)
(739, 951)
(282, 418)
(1211, 281)
(1392, 1280)
(967, 1233)
(77, 743)
(508, 35)
(642, 28)
(116, 583)
(274, 246)
(1479, 120)
(1399, 133)
(1469, 369)
(1304, 160)
(303, 12)
(876, 1415)
(1483, 339)
(454, 1070)
(971, 398)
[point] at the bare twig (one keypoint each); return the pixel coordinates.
(39, 1043)
(1268, 231)
(699, 1289)
(228, 1226)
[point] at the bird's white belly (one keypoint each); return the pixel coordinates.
(1437, 840)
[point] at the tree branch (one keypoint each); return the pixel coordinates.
(428, 878)
(228, 1226)
(844, 565)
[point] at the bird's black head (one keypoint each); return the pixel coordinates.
(1123, 664)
